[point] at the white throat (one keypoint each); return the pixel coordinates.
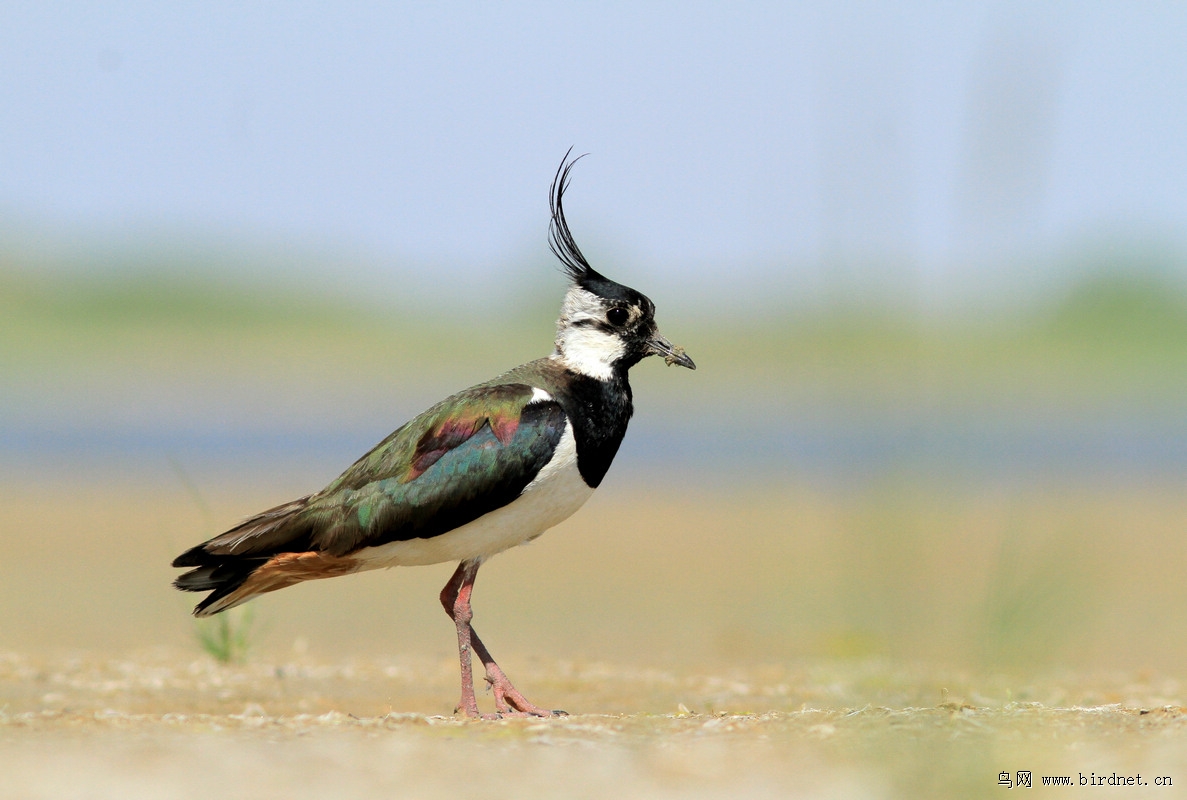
(585, 348)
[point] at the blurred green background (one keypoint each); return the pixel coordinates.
(930, 263)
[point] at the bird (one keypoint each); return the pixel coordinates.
(486, 469)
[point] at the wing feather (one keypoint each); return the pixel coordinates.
(465, 457)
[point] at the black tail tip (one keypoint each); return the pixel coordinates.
(194, 557)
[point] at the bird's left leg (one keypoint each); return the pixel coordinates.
(508, 700)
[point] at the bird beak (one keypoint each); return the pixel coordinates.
(673, 354)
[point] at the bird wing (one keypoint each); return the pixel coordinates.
(468, 455)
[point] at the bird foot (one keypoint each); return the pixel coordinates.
(511, 711)
(508, 700)
(476, 714)
(510, 703)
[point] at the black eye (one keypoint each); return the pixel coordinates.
(617, 316)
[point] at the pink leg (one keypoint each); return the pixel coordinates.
(455, 597)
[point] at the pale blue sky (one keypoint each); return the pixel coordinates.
(737, 142)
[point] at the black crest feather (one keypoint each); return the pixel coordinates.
(560, 238)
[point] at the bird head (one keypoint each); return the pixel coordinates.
(604, 326)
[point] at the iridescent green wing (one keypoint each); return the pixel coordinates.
(467, 456)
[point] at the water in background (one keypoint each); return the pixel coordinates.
(137, 375)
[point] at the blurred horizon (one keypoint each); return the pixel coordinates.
(202, 368)
(1025, 284)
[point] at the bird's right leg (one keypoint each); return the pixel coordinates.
(456, 599)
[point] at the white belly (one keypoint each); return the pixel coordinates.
(552, 497)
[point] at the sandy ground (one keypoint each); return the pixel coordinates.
(739, 644)
(165, 724)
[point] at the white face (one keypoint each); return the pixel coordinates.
(581, 344)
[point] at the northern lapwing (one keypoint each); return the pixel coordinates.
(484, 470)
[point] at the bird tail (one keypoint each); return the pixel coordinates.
(224, 577)
(223, 565)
